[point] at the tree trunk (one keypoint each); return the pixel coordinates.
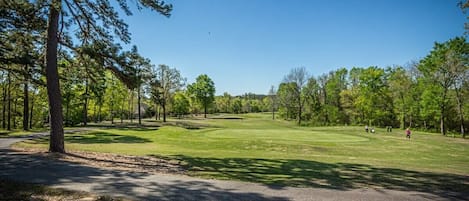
(156, 112)
(131, 115)
(53, 88)
(299, 117)
(25, 102)
(31, 114)
(15, 111)
(442, 113)
(99, 112)
(122, 111)
(205, 110)
(460, 112)
(410, 121)
(139, 107)
(4, 123)
(9, 102)
(95, 113)
(442, 125)
(112, 112)
(164, 112)
(299, 109)
(273, 113)
(85, 104)
(67, 113)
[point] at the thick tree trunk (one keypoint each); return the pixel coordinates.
(25, 102)
(31, 114)
(52, 76)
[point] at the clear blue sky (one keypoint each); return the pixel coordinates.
(249, 45)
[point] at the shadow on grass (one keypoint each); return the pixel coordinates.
(97, 138)
(103, 137)
(228, 118)
(187, 125)
(340, 176)
(124, 126)
(152, 128)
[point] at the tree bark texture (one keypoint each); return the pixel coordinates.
(52, 76)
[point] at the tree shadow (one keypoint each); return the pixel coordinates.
(103, 138)
(127, 126)
(138, 186)
(339, 176)
(132, 128)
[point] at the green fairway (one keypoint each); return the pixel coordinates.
(258, 149)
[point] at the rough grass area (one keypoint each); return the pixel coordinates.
(257, 149)
(10, 190)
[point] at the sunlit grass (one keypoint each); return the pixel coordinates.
(256, 148)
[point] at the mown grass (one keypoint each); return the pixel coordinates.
(256, 148)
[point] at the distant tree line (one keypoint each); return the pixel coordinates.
(430, 94)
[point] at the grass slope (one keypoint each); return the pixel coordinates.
(256, 148)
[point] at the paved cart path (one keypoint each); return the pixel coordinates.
(141, 186)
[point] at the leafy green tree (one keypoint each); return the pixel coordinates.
(115, 96)
(441, 69)
(224, 103)
(298, 77)
(203, 90)
(373, 98)
(336, 83)
(181, 104)
(142, 73)
(21, 32)
(399, 84)
(166, 81)
(312, 96)
(95, 23)
(71, 91)
(286, 100)
(237, 106)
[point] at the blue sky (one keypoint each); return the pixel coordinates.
(249, 45)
